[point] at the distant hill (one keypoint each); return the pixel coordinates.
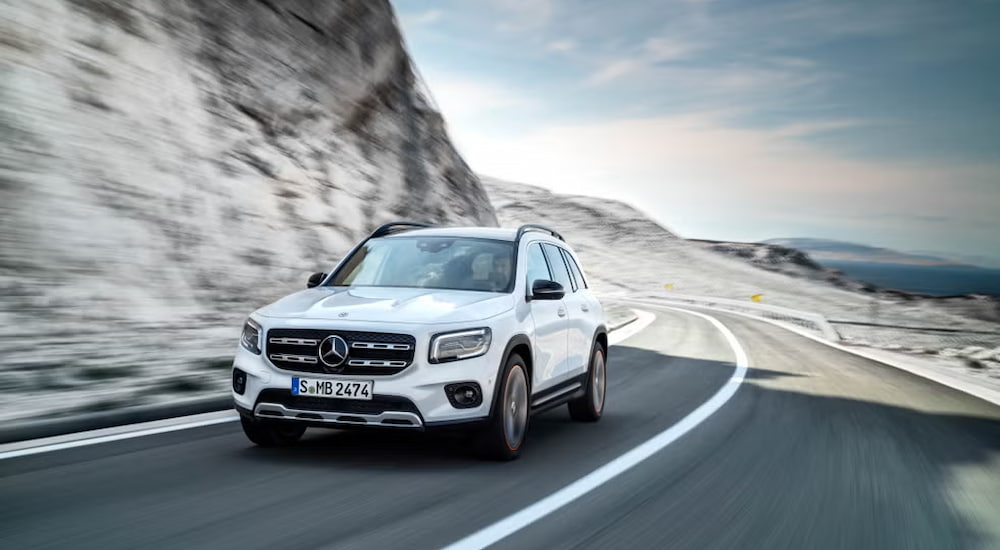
(829, 250)
(980, 260)
(890, 269)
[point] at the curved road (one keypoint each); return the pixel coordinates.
(817, 449)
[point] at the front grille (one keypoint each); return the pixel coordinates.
(378, 404)
(369, 353)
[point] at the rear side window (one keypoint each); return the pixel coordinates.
(537, 267)
(559, 272)
(577, 275)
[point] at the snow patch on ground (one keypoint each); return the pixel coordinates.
(617, 316)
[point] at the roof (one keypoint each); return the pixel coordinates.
(495, 233)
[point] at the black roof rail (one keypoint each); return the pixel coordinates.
(395, 227)
(535, 227)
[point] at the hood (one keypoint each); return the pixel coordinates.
(389, 304)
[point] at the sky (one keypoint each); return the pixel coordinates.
(871, 122)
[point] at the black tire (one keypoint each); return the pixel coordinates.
(590, 407)
(271, 434)
(504, 435)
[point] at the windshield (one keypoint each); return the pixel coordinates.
(431, 262)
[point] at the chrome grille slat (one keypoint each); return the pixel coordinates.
(375, 363)
(381, 345)
(293, 358)
(294, 341)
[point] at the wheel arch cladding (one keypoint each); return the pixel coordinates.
(521, 345)
(601, 337)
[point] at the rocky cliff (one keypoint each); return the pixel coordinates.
(169, 166)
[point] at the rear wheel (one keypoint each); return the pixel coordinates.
(271, 434)
(590, 406)
(504, 434)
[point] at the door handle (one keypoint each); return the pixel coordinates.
(561, 312)
(585, 307)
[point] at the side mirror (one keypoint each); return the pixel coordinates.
(546, 290)
(315, 279)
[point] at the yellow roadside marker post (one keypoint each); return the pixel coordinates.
(756, 297)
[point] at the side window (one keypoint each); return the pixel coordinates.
(577, 275)
(537, 267)
(565, 259)
(558, 266)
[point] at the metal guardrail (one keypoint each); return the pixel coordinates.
(805, 319)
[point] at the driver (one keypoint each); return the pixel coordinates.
(500, 276)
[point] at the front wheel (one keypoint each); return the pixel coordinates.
(504, 435)
(590, 406)
(271, 434)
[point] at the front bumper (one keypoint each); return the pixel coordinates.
(412, 399)
(394, 419)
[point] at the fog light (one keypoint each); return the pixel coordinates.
(464, 395)
(239, 381)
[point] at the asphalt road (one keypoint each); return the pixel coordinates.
(817, 449)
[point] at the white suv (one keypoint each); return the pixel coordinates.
(421, 327)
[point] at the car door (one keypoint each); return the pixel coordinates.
(577, 316)
(550, 317)
(590, 314)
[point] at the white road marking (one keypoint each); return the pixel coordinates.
(118, 433)
(643, 319)
(41, 446)
(519, 520)
(941, 377)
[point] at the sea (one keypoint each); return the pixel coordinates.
(934, 280)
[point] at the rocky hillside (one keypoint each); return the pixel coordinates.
(625, 252)
(829, 249)
(797, 263)
(785, 260)
(166, 167)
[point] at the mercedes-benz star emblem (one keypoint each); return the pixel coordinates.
(333, 351)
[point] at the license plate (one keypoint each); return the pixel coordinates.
(340, 389)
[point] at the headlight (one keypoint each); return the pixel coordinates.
(452, 346)
(251, 337)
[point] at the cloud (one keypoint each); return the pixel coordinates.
(814, 127)
(422, 18)
(462, 99)
(701, 174)
(642, 61)
(659, 49)
(750, 84)
(521, 15)
(615, 70)
(722, 117)
(562, 46)
(792, 62)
